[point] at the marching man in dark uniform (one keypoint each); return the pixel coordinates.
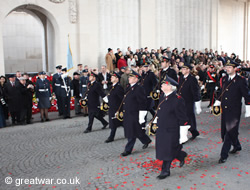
(94, 91)
(234, 87)
(166, 70)
(211, 83)
(57, 88)
(171, 116)
(115, 96)
(65, 93)
(148, 82)
(134, 109)
(43, 95)
(190, 91)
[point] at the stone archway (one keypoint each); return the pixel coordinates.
(50, 27)
(48, 43)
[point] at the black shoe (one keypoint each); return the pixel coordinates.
(42, 120)
(60, 114)
(68, 117)
(109, 140)
(65, 117)
(182, 162)
(146, 145)
(79, 113)
(47, 119)
(221, 160)
(235, 150)
(104, 126)
(163, 175)
(125, 153)
(194, 136)
(87, 131)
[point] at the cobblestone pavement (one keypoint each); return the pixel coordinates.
(60, 150)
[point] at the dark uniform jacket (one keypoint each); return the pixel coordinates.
(83, 83)
(189, 90)
(115, 97)
(133, 103)
(148, 82)
(43, 93)
(42, 88)
(93, 93)
(213, 80)
(56, 84)
(171, 115)
(25, 96)
(75, 84)
(230, 96)
(170, 72)
(65, 88)
(13, 95)
(31, 92)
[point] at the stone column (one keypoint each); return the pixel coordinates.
(2, 70)
(147, 19)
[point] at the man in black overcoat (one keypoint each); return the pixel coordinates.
(171, 116)
(94, 91)
(13, 94)
(115, 97)
(135, 111)
(234, 87)
(148, 82)
(189, 90)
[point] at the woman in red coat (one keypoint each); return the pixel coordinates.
(121, 63)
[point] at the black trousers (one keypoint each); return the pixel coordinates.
(15, 117)
(59, 104)
(98, 115)
(229, 139)
(112, 133)
(210, 92)
(77, 105)
(66, 106)
(131, 142)
(167, 164)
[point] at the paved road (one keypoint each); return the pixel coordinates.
(60, 150)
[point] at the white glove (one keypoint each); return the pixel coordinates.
(216, 88)
(158, 91)
(217, 103)
(184, 133)
(198, 107)
(105, 99)
(80, 94)
(50, 98)
(64, 75)
(37, 99)
(155, 120)
(142, 115)
(72, 93)
(202, 87)
(247, 114)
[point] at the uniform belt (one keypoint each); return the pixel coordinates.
(64, 86)
(43, 90)
(210, 81)
(57, 84)
(84, 85)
